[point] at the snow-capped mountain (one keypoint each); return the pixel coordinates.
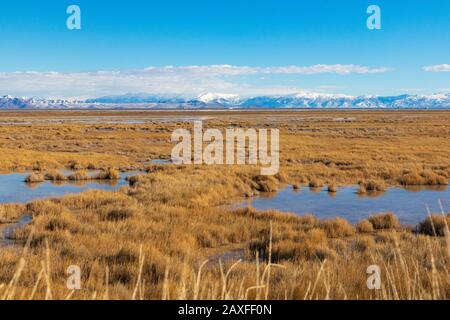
(342, 101)
(218, 100)
(138, 98)
(207, 99)
(298, 100)
(9, 102)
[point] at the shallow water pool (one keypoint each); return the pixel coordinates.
(409, 204)
(13, 189)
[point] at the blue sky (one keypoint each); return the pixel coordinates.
(120, 40)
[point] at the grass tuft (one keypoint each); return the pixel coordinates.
(384, 221)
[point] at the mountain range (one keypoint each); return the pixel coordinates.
(215, 100)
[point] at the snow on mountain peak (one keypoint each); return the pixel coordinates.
(211, 97)
(295, 100)
(318, 95)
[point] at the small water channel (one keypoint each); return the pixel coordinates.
(13, 189)
(6, 232)
(409, 204)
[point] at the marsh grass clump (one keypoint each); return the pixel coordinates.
(337, 228)
(384, 221)
(74, 165)
(316, 183)
(300, 251)
(364, 226)
(60, 222)
(386, 237)
(411, 178)
(372, 185)
(80, 175)
(44, 207)
(55, 176)
(266, 183)
(364, 243)
(309, 245)
(35, 178)
(435, 225)
(361, 189)
(38, 166)
(332, 188)
(109, 174)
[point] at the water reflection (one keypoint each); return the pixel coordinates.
(422, 188)
(371, 194)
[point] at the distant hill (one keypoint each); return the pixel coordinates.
(215, 100)
(9, 102)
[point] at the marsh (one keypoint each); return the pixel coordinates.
(162, 227)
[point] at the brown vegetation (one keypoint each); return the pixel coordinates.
(435, 225)
(364, 226)
(34, 177)
(109, 174)
(315, 183)
(371, 185)
(384, 221)
(332, 188)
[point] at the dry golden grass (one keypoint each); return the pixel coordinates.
(364, 226)
(150, 240)
(435, 225)
(34, 178)
(55, 175)
(11, 212)
(384, 221)
(315, 183)
(109, 174)
(371, 185)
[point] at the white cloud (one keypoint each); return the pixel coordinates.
(437, 68)
(245, 70)
(181, 80)
(324, 68)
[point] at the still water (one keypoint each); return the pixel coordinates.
(13, 189)
(410, 204)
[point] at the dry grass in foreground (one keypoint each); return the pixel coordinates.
(152, 240)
